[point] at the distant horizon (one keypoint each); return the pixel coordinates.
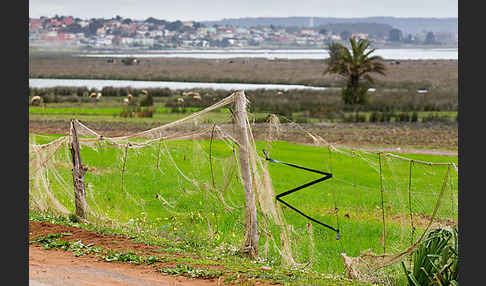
(244, 17)
(217, 10)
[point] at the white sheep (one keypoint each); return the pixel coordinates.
(128, 99)
(180, 100)
(98, 96)
(190, 93)
(36, 100)
(197, 97)
(93, 95)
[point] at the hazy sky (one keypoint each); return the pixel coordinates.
(218, 9)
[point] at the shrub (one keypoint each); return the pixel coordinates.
(50, 98)
(385, 116)
(435, 261)
(404, 117)
(414, 117)
(358, 95)
(359, 117)
(434, 117)
(147, 100)
(374, 117)
(348, 118)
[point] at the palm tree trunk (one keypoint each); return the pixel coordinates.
(353, 86)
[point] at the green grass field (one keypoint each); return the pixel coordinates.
(110, 112)
(194, 212)
(111, 108)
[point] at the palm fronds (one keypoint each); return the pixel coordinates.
(354, 64)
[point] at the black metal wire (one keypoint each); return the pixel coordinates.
(327, 176)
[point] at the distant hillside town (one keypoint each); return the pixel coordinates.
(155, 34)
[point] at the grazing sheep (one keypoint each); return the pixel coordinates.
(95, 95)
(36, 100)
(128, 99)
(180, 100)
(197, 97)
(190, 93)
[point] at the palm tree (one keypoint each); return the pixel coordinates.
(354, 65)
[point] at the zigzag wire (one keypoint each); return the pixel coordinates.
(278, 197)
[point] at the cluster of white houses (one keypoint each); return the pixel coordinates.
(153, 33)
(120, 33)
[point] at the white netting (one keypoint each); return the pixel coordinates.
(183, 180)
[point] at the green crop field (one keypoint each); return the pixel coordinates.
(169, 187)
(111, 113)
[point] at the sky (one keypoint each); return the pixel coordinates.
(210, 10)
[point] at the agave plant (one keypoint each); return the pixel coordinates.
(435, 261)
(354, 64)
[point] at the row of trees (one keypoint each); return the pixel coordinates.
(396, 35)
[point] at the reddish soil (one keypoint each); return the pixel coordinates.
(59, 267)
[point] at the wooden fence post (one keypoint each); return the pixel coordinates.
(250, 246)
(78, 175)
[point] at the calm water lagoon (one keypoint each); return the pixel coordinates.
(395, 54)
(99, 84)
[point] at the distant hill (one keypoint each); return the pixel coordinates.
(407, 25)
(376, 29)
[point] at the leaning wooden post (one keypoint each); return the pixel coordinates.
(250, 246)
(78, 175)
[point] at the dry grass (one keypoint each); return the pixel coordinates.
(437, 73)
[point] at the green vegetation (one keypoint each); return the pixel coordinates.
(190, 209)
(190, 271)
(233, 268)
(77, 248)
(318, 108)
(435, 261)
(152, 203)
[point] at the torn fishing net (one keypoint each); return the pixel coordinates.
(182, 181)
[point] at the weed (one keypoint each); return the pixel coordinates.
(78, 248)
(191, 272)
(127, 257)
(73, 218)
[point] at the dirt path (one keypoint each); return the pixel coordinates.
(58, 267)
